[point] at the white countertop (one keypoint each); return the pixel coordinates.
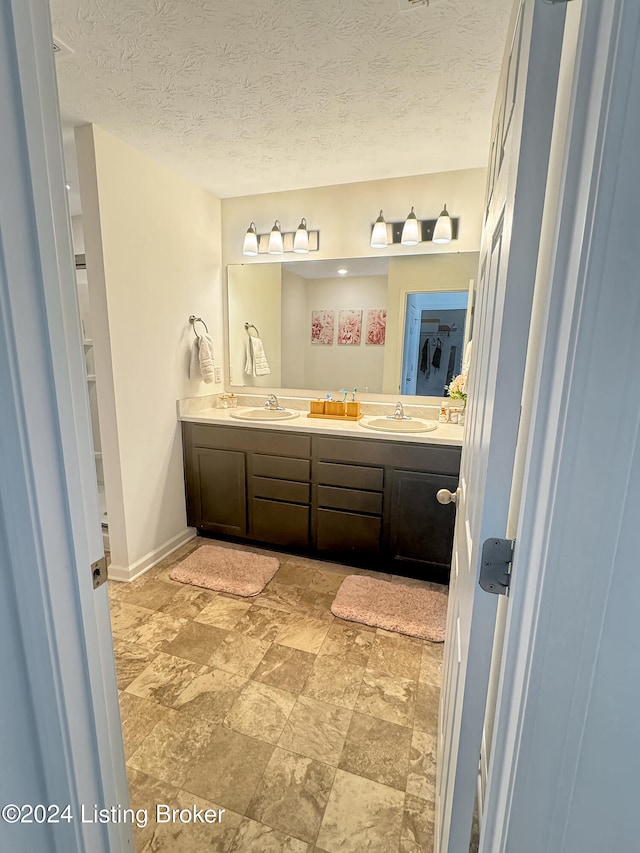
(450, 434)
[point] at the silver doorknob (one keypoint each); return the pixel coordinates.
(444, 496)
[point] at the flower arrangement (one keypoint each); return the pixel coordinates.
(457, 387)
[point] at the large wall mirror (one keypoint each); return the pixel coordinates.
(387, 325)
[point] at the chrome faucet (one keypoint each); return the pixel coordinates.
(272, 404)
(398, 414)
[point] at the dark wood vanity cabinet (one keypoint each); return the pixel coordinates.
(361, 501)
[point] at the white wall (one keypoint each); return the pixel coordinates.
(294, 333)
(335, 366)
(153, 255)
(255, 297)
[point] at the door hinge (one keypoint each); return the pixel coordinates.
(99, 572)
(495, 564)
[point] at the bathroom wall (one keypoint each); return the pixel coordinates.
(344, 214)
(294, 334)
(152, 241)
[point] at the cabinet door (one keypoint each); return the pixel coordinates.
(348, 535)
(280, 523)
(220, 504)
(421, 529)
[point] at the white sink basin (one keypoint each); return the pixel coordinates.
(393, 425)
(264, 414)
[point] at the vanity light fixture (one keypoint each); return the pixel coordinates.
(410, 230)
(443, 232)
(250, 246)
(275, 240)
(379, 238)
(413, 231)
(301, 238)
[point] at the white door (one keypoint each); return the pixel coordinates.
(411, 344)
(64, 741)
(521, 135)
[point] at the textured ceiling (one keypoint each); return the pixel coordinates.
(266, 95)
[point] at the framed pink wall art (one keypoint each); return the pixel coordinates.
(376, 326)
(349, 327)
(322, 327)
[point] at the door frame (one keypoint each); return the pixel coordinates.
(544, 697)
(50, 527)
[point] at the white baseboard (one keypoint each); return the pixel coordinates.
(130, 573)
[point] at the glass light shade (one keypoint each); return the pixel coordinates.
(301, 239)
(275, 240)
(410, 230)
(443, 232)
(379, 234)
(250, 246)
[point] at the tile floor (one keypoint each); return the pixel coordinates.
(313, 734)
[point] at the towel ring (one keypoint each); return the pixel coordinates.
(251, 326)
(193, 320)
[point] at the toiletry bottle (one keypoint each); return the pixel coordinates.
(444, 413)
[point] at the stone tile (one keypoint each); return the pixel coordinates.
(138, 717)
(294, 574)
(144, 793)
(156, 630)
(126, 618)
(148, 592)
(253, 836)
(377, 750)
(223, 612)
(188, 601)
(285, 667)
(196, 642)
(421, 780)
(238, 654)
(279, 596)
(210, 695)
(359, 625)
(417, 827)
(304, 633)
(170, 749)
(334, 681)
(165, 679)
(317, 730)
(395, 655)
(427, 708)
(327, 582)
(194, 836)
(260, 711)
(260, 623)
(391, 699)
(316, 604)
(228, 769)
(292, 795)
(348, 643)
(361, 815)
(431, 665)
(131, 660)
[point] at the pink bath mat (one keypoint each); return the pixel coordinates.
(226, 570)
(407, 609)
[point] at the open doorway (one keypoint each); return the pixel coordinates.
(435, 333)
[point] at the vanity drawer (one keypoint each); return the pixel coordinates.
(350, 499)
(280, 490)
(351, 476)
(347, 533)
(280, 467)
(256, 440)
(280, 523)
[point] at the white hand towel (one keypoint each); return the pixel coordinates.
(194, 362)
(205, 358)
(256, 363)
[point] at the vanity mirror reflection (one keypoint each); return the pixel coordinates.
(384, 325)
